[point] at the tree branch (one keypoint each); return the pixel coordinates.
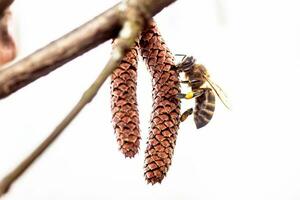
(5, 4)
(68, 47)
(134, 14)
(7, 44)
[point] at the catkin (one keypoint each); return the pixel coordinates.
(166, 107)
(125, 117)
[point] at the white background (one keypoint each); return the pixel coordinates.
(251, 49)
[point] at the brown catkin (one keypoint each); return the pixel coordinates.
(166, 107)
(125, 116)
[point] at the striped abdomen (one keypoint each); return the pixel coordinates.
(204, 109)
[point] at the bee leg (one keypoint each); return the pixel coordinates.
(185, 115)
(180, 96)
(178, 54)
(190, 95)
(199, 93)
(179, 69)
(185, 82)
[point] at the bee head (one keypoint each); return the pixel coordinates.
(186, 64)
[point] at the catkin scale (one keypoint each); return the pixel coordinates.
(125, 117)
(165, 117)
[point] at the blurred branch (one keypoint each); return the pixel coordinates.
(5, 4)
(70, 46)
(8, 49)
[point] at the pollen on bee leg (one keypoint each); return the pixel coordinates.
(189, 95)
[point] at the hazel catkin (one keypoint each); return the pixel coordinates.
(166, 107)
(125, 117)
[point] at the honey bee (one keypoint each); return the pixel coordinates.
(203, 90)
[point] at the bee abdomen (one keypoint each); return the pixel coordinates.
(204, 109)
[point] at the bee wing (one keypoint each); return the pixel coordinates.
(220, 93)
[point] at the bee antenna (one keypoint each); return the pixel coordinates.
(180, 54)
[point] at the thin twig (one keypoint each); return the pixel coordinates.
(68, 47)
(130, 31)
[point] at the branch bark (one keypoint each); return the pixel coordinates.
(5, 4)
(68, 47)
(8, 50)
